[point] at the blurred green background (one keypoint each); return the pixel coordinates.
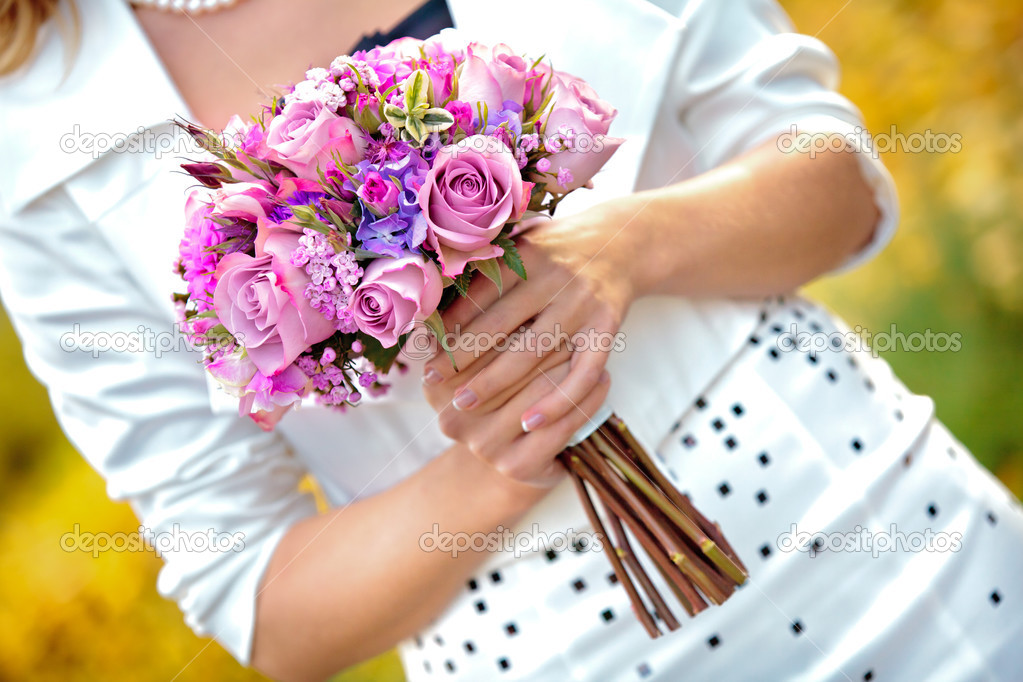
(955, 266)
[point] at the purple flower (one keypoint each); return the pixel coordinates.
(198, 258)
(463, 116)
(386, 150)
(530, 142)
(507, 116)
(332, 276)
(378, 194)
(391, 235)
(295, 192)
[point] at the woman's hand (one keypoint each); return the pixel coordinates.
(492, 430)
(577, 292)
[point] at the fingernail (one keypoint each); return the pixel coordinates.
(465, 400)
(605, 377)
(532, 422)
(432, 376)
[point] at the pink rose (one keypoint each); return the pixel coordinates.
(378, 193)
(586, 148)
(393, 293)
(508, 69)
(390, 62)
(472, 191)
(264, 399)
(307, 134)
(243, 200)
(477, 84)
(261, 301)
(447, 43)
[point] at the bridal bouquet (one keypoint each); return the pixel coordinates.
(360, 204)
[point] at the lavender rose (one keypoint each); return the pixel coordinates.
(472, 191)
(393, 293)
(578, 126)
(306, 134)
(261, 301)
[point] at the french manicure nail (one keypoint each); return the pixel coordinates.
(465, 400)
(533, 422)
(432, 376)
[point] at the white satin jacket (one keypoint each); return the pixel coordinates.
(87, 240)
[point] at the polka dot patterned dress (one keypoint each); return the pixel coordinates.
(878, 548)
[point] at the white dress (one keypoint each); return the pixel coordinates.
(86, 241)
(908, 566)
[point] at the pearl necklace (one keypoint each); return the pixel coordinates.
(187, 6)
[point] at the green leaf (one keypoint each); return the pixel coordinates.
(453, 95)
(363, 254)
(461, 283)
(438, 119)
(416, 129)
(395, 115)
(417, 90)
(206, 313)
(436, 325)
(492, 271)
(511, 257)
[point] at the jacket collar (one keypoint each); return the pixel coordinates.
(116, 86)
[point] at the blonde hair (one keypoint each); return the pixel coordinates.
(20, 21)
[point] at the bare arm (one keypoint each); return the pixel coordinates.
(761, 224)
(347, 585)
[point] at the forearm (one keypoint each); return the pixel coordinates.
(762, 224)
(349, 584)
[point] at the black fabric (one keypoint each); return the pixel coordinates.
(429, 19)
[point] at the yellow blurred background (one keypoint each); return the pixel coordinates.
(955, 266)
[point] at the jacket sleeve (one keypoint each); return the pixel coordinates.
(744, 77)
(133, 400)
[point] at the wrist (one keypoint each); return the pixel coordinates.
(640, 251)
(505, 497)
